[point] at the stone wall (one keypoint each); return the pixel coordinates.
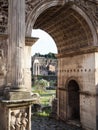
(82, 69)
(3, 62)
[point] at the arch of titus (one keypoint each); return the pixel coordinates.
(73, 24)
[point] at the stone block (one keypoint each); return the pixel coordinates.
(17, 95)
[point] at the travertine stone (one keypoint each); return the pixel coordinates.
(14, 111)
(16, 43)
(73, 24)
(17, 95)
(82, 69)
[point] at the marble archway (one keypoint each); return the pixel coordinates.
(73, 25)
(74, 31)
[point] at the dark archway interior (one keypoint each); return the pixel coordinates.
(74, 100)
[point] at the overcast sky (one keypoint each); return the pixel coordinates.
(45, 44)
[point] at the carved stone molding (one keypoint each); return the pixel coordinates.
(90, 7)
(18, 119)
(3, 15)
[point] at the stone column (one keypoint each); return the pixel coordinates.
(16, 43)
(16, 57)
(36, 69)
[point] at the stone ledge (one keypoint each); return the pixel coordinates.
(19, 103)
(17, 95)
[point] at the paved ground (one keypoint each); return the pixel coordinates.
(44, 123)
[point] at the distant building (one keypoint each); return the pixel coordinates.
(44, 65)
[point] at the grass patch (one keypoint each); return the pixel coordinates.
(44, 114)
(46, 97)
(46, 102)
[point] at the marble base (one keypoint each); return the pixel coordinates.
(13, 95)
(16, 94)
(12, 111)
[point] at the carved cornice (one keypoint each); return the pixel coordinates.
(81, 51)
(29, 41)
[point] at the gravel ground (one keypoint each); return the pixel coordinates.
(46, 123)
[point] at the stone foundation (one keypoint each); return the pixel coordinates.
(14, 112)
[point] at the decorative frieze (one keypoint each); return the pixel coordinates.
(3, 15)
(18, 119)
(75, 70)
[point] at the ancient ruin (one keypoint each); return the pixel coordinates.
(73, 24)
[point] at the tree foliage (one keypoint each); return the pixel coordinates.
(40, 85)
(49, 55)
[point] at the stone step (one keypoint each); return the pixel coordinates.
(74, 122)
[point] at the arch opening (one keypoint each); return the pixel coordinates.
(69, 29)
(73, 101)
(45, 43)
(44, 66)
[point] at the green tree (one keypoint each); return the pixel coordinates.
(40, 85)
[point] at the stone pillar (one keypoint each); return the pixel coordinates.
(11, 110)
(16, 103)
(35, 69)
(16, 43)
(16, 57)
(38, 69)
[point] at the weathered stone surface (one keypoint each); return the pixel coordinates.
(17, 95)
(7, 108)
(81, 69)
(73, 24)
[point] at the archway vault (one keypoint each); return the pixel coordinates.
(59, 18)
(69, 26)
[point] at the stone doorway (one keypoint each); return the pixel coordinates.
(73, 101)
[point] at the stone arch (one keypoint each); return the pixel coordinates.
(34, 14)
(74, 33)
(89, 21)
(75, 79)
(65, 37)
(73, 100)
